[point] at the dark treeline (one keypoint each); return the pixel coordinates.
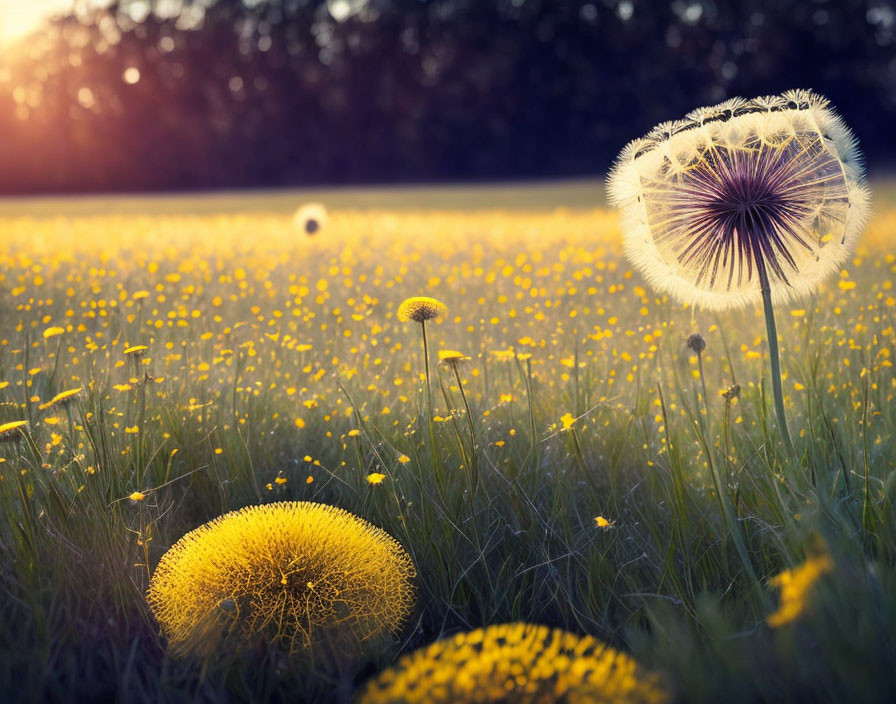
(181, 94)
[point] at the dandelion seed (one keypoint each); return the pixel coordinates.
(262, 558)
(515, 662)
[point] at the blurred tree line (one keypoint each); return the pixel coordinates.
(185, 94)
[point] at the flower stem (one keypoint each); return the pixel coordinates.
(432, 433)
(772, 334)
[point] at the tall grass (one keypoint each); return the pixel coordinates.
(266, 349)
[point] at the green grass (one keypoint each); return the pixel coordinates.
(706, 504)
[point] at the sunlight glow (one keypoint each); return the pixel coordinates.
(19, 17)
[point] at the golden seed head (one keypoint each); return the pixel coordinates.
(420, 309)
(260, 560)
(518, 662)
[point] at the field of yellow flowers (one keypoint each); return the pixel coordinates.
(582, 468)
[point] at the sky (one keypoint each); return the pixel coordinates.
(18, 17)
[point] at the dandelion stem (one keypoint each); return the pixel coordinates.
(474, 468)
(429, 423)
(772, 334)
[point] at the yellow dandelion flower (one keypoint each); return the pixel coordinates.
(452, 357)
(313, 579)
(140, 295)
(602, 522)
(311, 218)
(137, 496)
(404, 459)
(794, 587)
(567, 420)
(53, 331)
(518, 662)
(9, 431)
(61, 399)
(135, 351)
(420, 309)
(375, 478)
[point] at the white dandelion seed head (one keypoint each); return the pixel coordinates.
(311, 218)
(770, 189)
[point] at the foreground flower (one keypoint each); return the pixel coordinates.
(516, 662)
(746, 195)
(11, 430)
(746, 201)
(795, 586)
(311, 218)
(313, 579)
(420, 309)
(61, 399)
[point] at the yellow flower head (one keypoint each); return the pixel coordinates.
(375, 478)
(313, 579)
(420, 309)
(452, 358)
(53, 331)
(311, 218)
(61, 399)
(9, 431)
(515, 662)
(794, 587)
(136, 351)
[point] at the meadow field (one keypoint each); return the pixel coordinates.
(583, 469)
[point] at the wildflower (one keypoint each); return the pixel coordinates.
(743, 202)
(9, 431)
(452, 358)
(136, 351)
(420, 309)
(313, 579)
(732, 392)
(61, 399)
(602, 522)
(311, 218)
(53, 331)
(740, 197)
(794, 587)
(137, 496)
(567, 420)
(517, 662)
(375, 478)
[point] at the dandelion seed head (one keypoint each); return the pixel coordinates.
(311, 218)
(748, 190)
(420, 309)
(261, 559)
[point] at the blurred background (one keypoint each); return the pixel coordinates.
(149, 95)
